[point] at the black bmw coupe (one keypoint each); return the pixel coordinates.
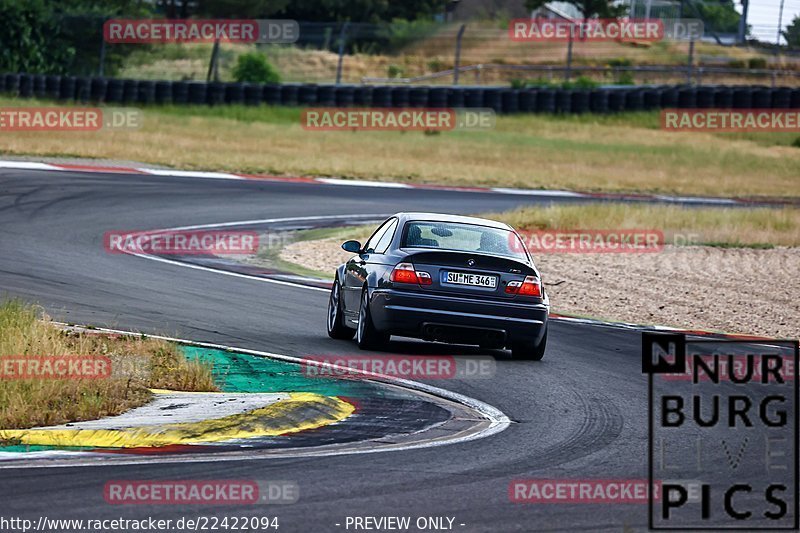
(441, 278)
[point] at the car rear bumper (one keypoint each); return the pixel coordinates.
(457, 319)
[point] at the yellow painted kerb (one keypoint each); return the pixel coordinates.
(299, 412)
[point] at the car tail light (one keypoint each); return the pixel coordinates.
(405, 273)
(532, 286)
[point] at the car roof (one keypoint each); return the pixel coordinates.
(443, 217)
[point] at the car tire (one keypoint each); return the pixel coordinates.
(367, 336)
(337, 329)
(529, 351)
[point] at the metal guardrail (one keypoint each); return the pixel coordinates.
(693, 74)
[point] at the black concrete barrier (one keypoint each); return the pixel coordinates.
(146, 92)
(723, 98)
(651, 98)
(307, 95)
(215, 93)
(83, 89)
(25, 85)
(795, 102)
(455, 97)
(180, 92)
(546, 101)
(382, 96)
(163, 92)
(252, 94)
(234, 93)
(493, 99)
(52, 86)
(510, 99)
(705, 98)
(66, 88)
(289, 94)
(400, 96)
(687, 98)
(634, 100)
(197, 93)
(114, 91)
(669, 97)
(418, 96)
(563, 101)
(781, 98)
(362, 96)
(500, 99)
(326, 95)
(527, 100)
(40, 86)
(345, 96)
(11, 84)
(743, 98)
(98, 89)
(473, 97)
(271, 94)
(616, 100)
(130, 91)
(580, 101)
(762, 98)
(598, 101)
(437, 97)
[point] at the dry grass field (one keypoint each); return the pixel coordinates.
(596, 153)
(137, 364)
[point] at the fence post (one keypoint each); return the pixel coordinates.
(568, 72)
(691, 63)
(101, 66)
(342, 36)
(457, 61)
(212, 66)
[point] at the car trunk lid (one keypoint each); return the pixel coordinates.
(469, 274)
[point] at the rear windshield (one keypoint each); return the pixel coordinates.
(463, 238)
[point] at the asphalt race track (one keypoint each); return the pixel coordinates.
(580, 413)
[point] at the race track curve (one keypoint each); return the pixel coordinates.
(580, 413)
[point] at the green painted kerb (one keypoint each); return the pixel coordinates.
(237, 372)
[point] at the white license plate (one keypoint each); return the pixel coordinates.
(476, 280)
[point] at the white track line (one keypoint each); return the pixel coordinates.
(248, 223)
(541, 193)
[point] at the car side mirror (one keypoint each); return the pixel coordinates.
(353, 247)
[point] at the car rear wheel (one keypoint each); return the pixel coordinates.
(336, 326)
(367, 336)
(529, 351)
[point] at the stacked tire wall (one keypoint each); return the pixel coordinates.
(500, 99)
